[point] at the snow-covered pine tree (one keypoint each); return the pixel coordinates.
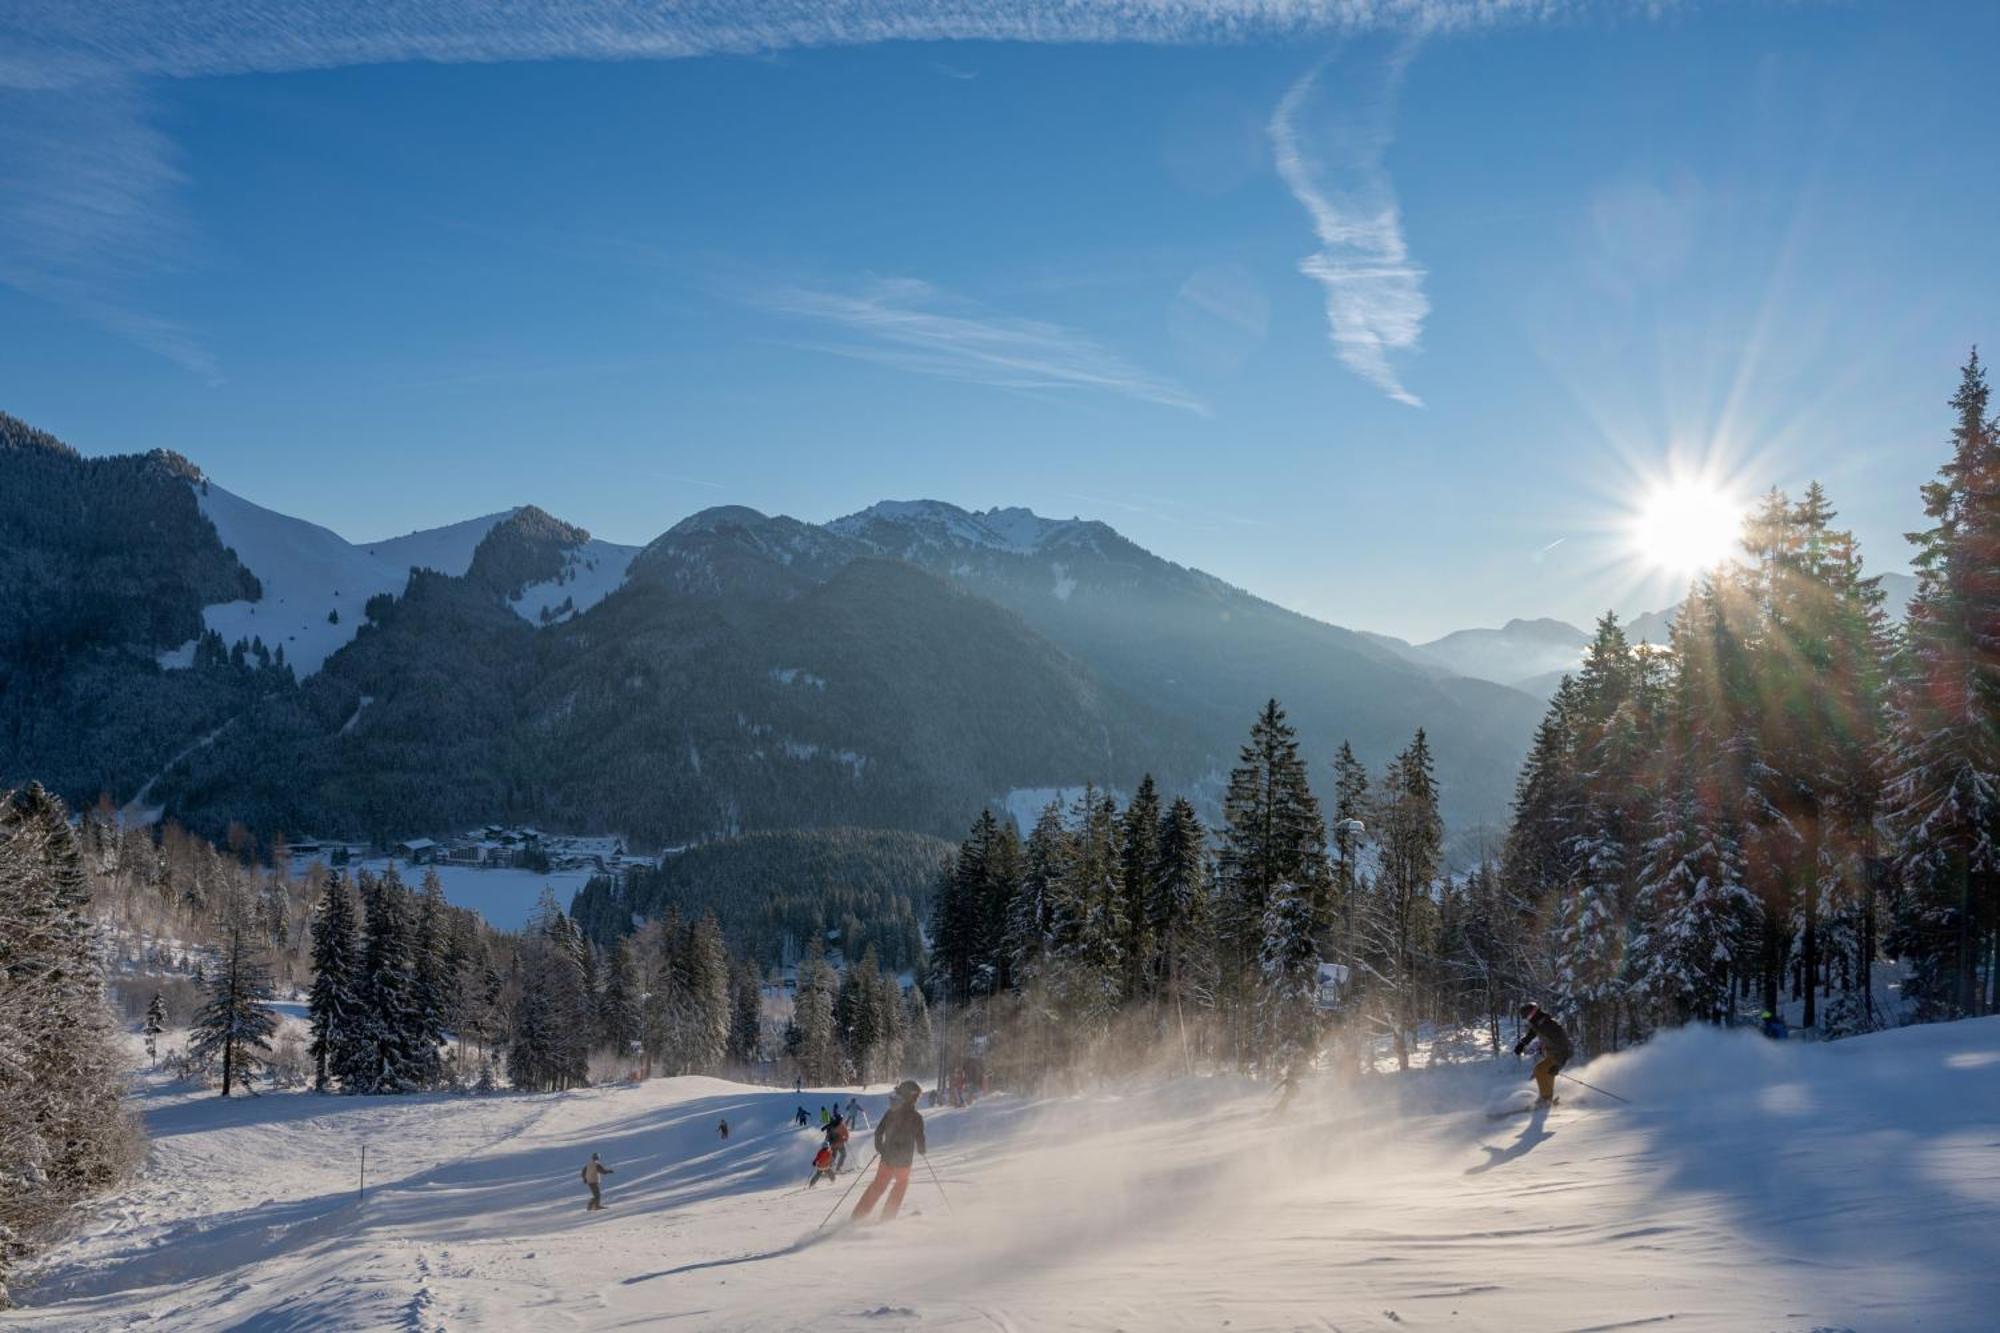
(1399, 927)
(432, 978)
(1349, 830)
(1088, 920)
(236, 1022)
(1693, 909)
(704, 993)
(746, 1016)
(549, 1047)
(1272, 835)
(1139, 856)
(969, 915)
(812, 1039)
(1943, 796)
(64, 1132)
(334, 1006)
(388, 1055)
(618, 1014)
(1031, 916)
(1180, 908)
(1287, 983)
(856, 1016)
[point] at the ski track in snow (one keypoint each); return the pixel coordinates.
(1752, 1185)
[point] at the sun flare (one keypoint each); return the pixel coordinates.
(1685, 525)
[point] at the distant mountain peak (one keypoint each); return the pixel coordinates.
(717, 518)
(1014, 529)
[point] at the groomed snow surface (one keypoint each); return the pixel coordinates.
(1749, 1186)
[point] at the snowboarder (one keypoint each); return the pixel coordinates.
(898, 1140)
(1774, 1027)
(722, 1130)
(822, 1166)
(1556, 1051)
(593, 1172)
(837, 1135)
(801, 1118)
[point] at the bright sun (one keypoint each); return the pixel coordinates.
(1684, 525)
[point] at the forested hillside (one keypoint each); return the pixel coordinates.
(742, 672)
(776, 893)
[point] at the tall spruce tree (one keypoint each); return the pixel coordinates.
(1272, 835)
(335, 1006)
(1943, 796)
(1139, 858)
(236, 1022)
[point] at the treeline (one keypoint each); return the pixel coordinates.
(776, 893)
(1792, 789)
(1107, 932)
(64, 1131)
(856, 1026)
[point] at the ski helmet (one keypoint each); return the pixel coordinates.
(1529, 1009)
(908, 1090)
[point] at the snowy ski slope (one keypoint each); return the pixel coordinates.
(1750, 1186)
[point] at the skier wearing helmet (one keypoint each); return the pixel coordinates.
(898, 1140)
(1542, 1026)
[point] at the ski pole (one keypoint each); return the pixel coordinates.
(842, 1199)
(1593, 1087)
(940, 1184)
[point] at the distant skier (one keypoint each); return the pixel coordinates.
(837, 1135)
(1774, 1027)
(594, 1171)
(898, 1140)
(1556, 1050)
(824, 1118)
(722, 1130)
(822, 1166)
(857, 1118)
(802, 1119)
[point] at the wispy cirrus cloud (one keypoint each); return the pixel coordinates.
(912, 325)
(1375, 302)
(79, 231)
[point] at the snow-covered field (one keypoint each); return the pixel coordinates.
(1749, 1186)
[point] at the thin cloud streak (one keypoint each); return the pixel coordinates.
(64, 42)
(911, 325)
(61, 55)
(1375, 302)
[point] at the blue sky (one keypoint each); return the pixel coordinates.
(1390, 326)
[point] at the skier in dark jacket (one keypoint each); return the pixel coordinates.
(1556, 1050)
(898, 1140)
(594, 1172)
(837, 1134)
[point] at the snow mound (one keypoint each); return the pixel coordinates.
(1746, 1185)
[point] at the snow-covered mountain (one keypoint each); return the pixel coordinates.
(316, 583)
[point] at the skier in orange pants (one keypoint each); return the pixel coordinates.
(898, 1139)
